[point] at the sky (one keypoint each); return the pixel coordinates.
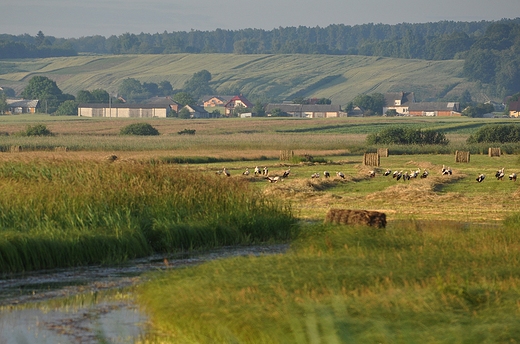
(79, 18)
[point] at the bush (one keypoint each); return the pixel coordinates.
(37, 130)
(187, 132)
(144, 129)
(496, 133)
(407, 136)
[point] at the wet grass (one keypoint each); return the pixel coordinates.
(416, 281)
(62, 213)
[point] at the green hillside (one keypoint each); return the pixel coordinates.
(269, 77)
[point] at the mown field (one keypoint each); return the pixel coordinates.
(279, 77)
(445, 270)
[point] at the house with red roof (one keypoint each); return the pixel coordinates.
(237, 101)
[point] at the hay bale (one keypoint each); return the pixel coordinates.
(371, 159)
(15, 149)
(286, 155)
(356, 217)
(383, 152)
(462, 156)
(61, 149)
(494, 152)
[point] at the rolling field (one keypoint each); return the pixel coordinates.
(280, 77)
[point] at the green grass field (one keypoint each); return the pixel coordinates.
(281, 77)
(445, 270)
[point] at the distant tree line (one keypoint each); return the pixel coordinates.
(34, 47)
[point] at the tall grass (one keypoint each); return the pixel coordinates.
(416, 282)
(62, 213)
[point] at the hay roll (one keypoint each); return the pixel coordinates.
(356, 217)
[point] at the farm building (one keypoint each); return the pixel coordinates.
(434, 109)
(16, 106)
(398, 101)
(122, 110)
(197, 111)
(167, 102)
(514, 109)
(307, 111)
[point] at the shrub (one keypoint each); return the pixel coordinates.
(407, 136)
(496, 133)
(144, 129)
(187, 132)
(37, 130)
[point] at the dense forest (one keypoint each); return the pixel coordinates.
(491, 49)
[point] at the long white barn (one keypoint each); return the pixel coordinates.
(122, 110)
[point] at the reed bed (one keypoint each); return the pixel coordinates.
(59, 213)
(415, 282)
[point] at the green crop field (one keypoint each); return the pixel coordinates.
(280, 77)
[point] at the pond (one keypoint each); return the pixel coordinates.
(90, 304)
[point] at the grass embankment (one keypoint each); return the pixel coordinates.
(68, 213)
(415, 282)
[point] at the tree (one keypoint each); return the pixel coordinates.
(45, 90)
(165, 88)
(391, 113)
(40, 38)
(198, 85)
(84, 96)
(372, 104)
(3, 103)
(99, 96)
(478, 110)
(184, 98)
(184, 113)
(324, 101)
(258, 109)
(131, 89)
(67, 108)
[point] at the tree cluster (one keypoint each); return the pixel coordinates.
(134, 91)
(407, 136)
(500, 133)
(372, 105)
(478, 110)
(494, 58)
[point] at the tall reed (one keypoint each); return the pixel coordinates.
(416, 282)
(61, 213)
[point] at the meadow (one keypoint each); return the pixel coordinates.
(445, 270)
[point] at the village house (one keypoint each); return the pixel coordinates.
(307, 111)
(167, 102)
(122, 110)
(213, 101)
(197, 111)
(18, 106)
(398, 101)
(434, 109)
(514, 109)
(236, 101)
